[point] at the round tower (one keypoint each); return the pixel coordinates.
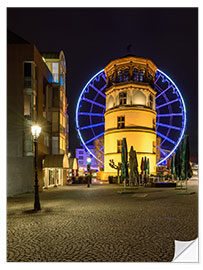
(130, 110)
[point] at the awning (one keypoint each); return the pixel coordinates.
(73, 164)
(56, 161)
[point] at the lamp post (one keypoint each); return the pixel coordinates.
(35, 133)
(89, 171)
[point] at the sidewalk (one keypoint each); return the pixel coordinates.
(80, 224)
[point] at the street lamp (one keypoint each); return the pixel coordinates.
(89, 171)
(35, 133)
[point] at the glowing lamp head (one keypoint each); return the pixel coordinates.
(69, 155)
(88, 161)
(35, 131)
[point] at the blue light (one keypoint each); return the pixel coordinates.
(169, 114)
(168, 126)
(93, 87)
(91, 126)
(165, 104)
(77, 111)
(166, 138)
(104, 78)
(94, 139)
(93, 102)
(184, 119)
(91, 114)
(162, 151)
(163, 92)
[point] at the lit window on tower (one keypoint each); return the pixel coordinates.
(121, 122)
(123, 98)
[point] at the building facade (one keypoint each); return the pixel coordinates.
(81, 155)
(130, 110)
(35, 96)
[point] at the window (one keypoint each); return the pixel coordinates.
(80, 157)
(120, 76)
(62, 143)
(80, 163)
(28, 75)
(55, 72)
(27, 69)
(126, 75)
(119, 146)
(123, 98)
(135, 75)
(27, 106)
(80, 152)
(121, 122)
(142, 75)
(55, 145)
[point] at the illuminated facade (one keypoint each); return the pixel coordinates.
(35, 95)
(81, 155)
(130, 110)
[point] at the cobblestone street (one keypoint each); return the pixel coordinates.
(97, 224)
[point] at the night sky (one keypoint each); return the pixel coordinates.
(91, 38)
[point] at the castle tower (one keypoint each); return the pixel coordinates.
(130, 110)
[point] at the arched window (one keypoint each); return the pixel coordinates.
(139, 98)
(142, 75)
(120, 76)
(126, 75)
(135, 75)
(110, 102)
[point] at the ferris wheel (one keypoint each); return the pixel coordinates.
(170, 108)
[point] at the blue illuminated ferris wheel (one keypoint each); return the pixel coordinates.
(170, 108)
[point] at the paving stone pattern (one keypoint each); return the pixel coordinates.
(97, 224)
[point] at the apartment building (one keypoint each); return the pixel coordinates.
(36, 93)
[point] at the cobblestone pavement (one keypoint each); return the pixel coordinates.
(97, 224)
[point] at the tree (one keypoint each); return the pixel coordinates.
(117, 167)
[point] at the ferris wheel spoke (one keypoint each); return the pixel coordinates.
(158, 88)
(103, 89)
(169, 114)
(165, 104)
(93, 102)
(104, 78)
(166, 138)
(162, 151)
(157, 78)
(91, 126)
(100, 150)
(91, 114)
(99, 135)
(163, 92)
(168, 126)
(97, 90)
